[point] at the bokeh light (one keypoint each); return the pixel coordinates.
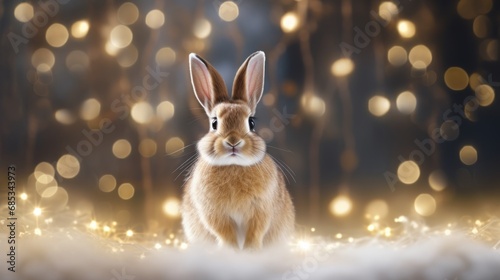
(127, 56)
(313, 105)
(147, 147)
(90, 109)
(128, 13)
(468, 155)
(342, 67)
(107, 183)
(469, 9)
(24, 12)
(397, 56)
(425, 204)
(437, 180)
(64, 116)
(406, 102)
(387, 10)
(126, 191)
(121, 148)
(481, 26)
(485, 95)
(408, 172)
(80, 28)
(155, 19)
(121, 36)
(56, 35)
(43, 56)
(377, 209)
(165, 110)
(449, 130)
(44, 172)
(228, 11)
(420, 57)
(379, 105)
(341, 206)
(202, 28)
(171, 207)
(68, 166)
(289, 22)
(142, 112)
(37, 211)
(77, 61)
(174, 145)
(406, 28)
(456, 78)
(165, 57)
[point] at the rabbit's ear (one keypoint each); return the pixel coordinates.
(249, 81)
(208, 85)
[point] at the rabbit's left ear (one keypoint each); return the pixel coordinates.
(249, 81)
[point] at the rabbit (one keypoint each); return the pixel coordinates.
(234, 195)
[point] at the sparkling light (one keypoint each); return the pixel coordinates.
(155, 19)
(147, 148)
(129, 233)
(420, 57)
(174, 145)
(121, 148)
(128, 13)
(23, 196)
(341, 206)
(290, 22)
(379, 105)
(468, 155)
(485, 95)
(202, 28)
(93, 225)
(171, 207)
(408, 172)
(68, 166)
(37, 211)
(107, 183)
(165, 110)
(228, 11)
(165, 57)
(342, 67)
(425, 204)
(456, 78)
(142, 112)
(126, 191)
(406, 28)
(56, 35)
(121, 36)
(304, 245)
(24, 12)
(406, 102)
(397, 56)
(437, 180)
(90, 109)
(80, 28)
(38, 231)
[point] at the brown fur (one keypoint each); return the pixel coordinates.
(243, 203)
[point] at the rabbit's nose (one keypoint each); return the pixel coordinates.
(232, 141)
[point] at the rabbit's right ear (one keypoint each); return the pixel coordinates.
(208, 85)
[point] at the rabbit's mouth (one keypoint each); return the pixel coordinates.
(233, 152)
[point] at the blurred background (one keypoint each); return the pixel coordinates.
(373, 109)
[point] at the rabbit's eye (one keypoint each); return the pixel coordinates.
(251, 123)
(214, 123)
